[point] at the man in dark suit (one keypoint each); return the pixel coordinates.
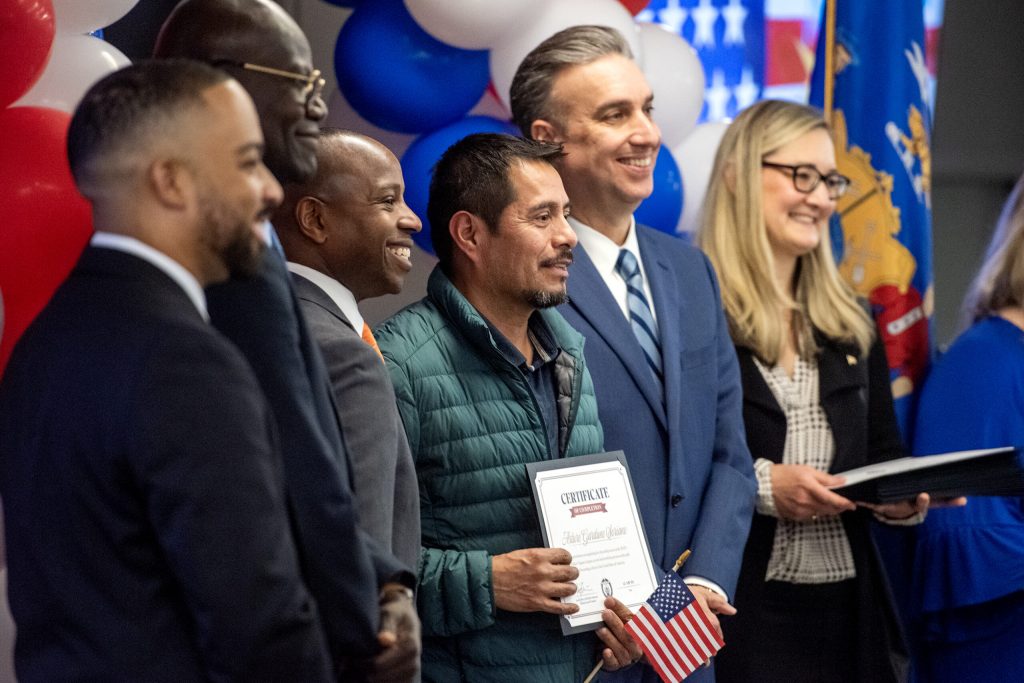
(265, 50)
(147, 530)
(664, 368)
(347, 234)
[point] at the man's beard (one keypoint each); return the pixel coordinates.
(243, 253)
(547, 299)
(541, 299)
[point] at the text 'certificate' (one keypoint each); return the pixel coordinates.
(587, 506)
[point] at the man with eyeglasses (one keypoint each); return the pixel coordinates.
(664, 368)
(347, 572)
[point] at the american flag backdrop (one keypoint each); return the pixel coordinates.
(759, 49)
(673, 631)
(729, 38)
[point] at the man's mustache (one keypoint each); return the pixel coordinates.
(564, 258)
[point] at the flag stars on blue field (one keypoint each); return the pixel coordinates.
(729, 38)
(704, 16)
(671, 597)
(734, 14)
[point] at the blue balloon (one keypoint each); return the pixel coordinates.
(399, 77)
(419, 159)
(665, 205)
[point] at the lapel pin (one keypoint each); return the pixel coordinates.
(851, 360)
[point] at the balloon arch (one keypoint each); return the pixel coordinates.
(49, 62)
(441, 69)
(434, 69)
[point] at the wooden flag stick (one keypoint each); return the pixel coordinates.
(680, 561)
(593, 672)
(828, 96)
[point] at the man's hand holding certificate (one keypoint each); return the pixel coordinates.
(588, 510)
(539, 580)
(534, 580)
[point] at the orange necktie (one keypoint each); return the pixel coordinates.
(368, 338)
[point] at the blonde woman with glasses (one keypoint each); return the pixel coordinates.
(813, 602)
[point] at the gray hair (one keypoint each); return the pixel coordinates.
(531, 87)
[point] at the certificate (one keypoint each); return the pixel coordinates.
(587, 506)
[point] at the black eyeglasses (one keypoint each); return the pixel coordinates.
(314, 83)
(807, 177)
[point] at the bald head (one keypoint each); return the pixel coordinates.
(350, 220)
(232, 33)
(343, 158)
(209, 30)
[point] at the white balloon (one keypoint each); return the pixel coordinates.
(676, 77)
(518, 41)
(85, 16)
(471, 24)
(695, 157)
(76, 62)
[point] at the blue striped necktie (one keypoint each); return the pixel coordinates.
(640, 316)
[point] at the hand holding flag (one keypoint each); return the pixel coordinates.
(673, 631)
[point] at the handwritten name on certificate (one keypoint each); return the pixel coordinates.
(587, 506)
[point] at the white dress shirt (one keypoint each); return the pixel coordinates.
(605, 253)
(338, 293)
(173, 269)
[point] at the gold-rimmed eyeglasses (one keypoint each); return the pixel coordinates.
(314, 82)
(806, 178)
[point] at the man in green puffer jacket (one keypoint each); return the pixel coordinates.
(489, 377)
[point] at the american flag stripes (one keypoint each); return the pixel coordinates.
(673, 631)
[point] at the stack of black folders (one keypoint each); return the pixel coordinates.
(988, 472)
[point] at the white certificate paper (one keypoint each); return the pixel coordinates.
(587, 506)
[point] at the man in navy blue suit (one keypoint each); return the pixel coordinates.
(664, 368)
(265, 50)
(147, 528)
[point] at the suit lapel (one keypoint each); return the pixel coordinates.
(309, 291)
(589, 296)
(755, 389)
(843, 387)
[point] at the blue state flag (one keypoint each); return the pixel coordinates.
(881, 119)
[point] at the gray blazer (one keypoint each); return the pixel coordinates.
(384, 478)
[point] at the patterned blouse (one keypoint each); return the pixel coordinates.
(813, 551)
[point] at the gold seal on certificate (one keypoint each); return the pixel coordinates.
(587, 506)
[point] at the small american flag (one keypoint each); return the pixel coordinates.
(673, 631)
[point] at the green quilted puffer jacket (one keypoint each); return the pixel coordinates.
(472, 424)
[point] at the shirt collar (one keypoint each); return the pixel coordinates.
(545, 347)
(174, 270)
(604, 252)
(341, 295)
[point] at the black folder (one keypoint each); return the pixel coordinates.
(989, 472)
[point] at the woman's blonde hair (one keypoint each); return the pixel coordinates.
(1000, 282)
(734, 235)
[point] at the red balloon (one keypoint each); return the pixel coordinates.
(634, 6)
(26, 35)
(45, 222)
